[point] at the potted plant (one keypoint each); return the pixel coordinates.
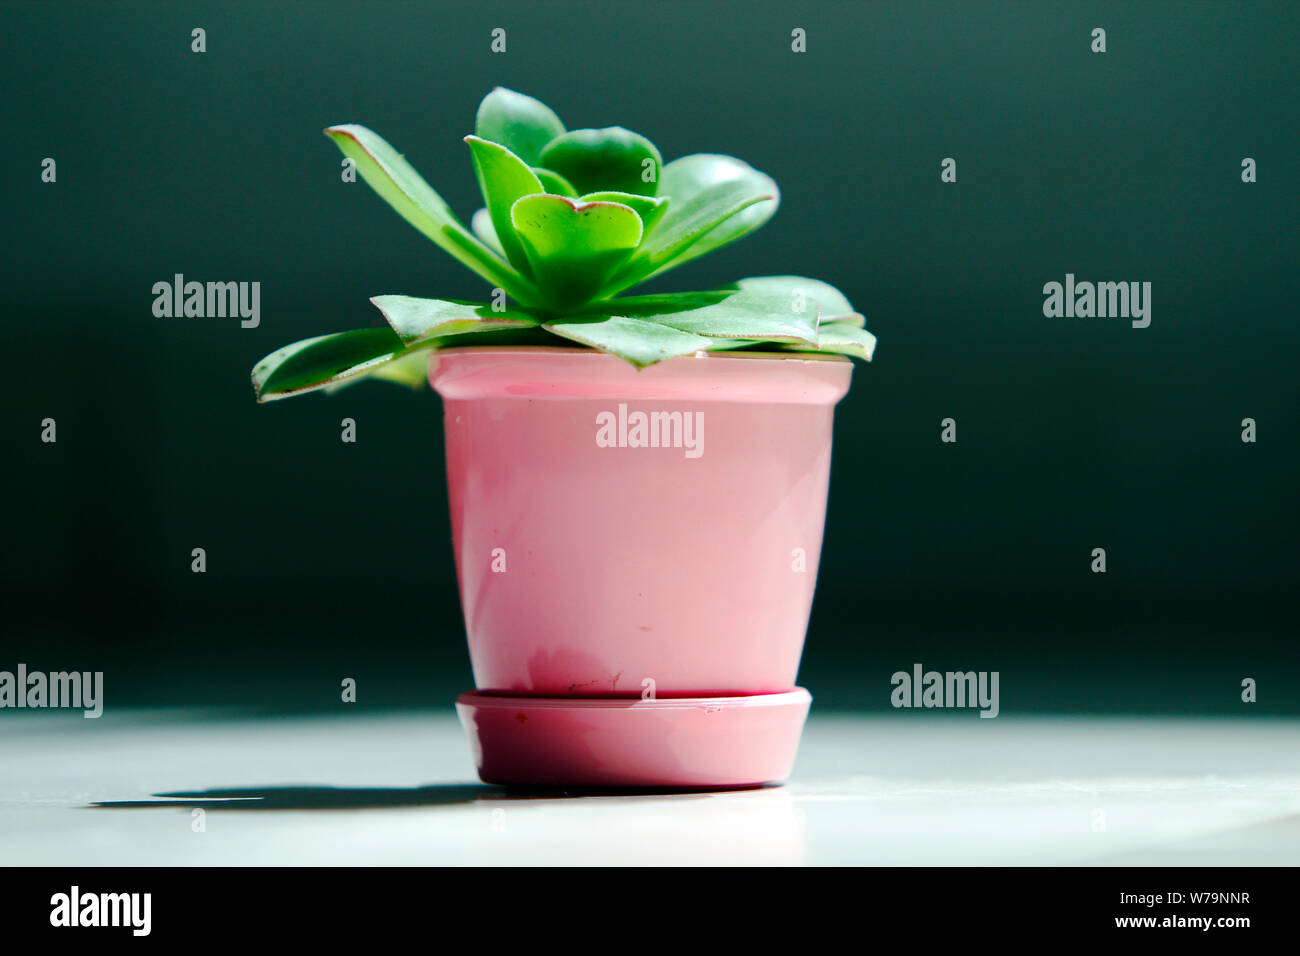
(637, 482)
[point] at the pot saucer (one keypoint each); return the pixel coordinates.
(700, 743)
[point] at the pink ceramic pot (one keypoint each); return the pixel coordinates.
(630, 541)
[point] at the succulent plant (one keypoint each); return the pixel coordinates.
(572, 219)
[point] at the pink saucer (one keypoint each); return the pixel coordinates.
(695, 742)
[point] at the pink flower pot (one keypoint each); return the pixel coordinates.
(636, 552)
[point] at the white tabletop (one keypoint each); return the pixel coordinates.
(367, 788)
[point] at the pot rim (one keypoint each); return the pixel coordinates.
(580, 350)
(545, 371)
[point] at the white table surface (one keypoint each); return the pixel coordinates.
(367, 788)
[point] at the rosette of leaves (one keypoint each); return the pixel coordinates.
(572, 220)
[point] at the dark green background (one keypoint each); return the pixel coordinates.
(328, 560)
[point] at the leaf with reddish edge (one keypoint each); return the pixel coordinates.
(574, 246)
(324, 360)
(399, 185)
(503, 178)
(650, 209)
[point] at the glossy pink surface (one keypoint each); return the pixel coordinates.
(700, 743)
(587, 570)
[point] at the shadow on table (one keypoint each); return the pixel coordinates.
(312, 798)
(368, 798)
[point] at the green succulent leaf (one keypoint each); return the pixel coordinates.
(647, 329)
(410, 369)
(405, 190)
(696, 174)
(638, 341)
(324, 360)
(832, 303)
(650, 209)
(573, 246)
(520, 123)
(417, 320)
(845, 338)
(553, 182)
(504, 178)
(596, 160)
(713, 200)
(734, 313)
